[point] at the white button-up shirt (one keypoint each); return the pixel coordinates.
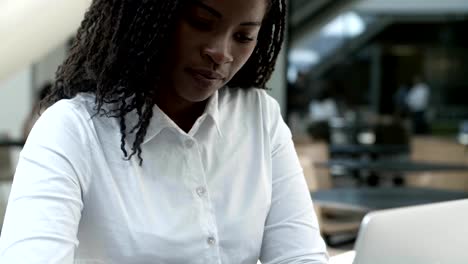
(229, 191)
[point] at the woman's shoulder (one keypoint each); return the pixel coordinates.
(68, 112)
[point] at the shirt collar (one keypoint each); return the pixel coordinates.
(212, 110)
(161, 121)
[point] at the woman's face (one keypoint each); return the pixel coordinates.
(213, 40)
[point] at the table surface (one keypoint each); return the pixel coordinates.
(344, 258)
(366, 149)
(368, 199)
(393, 166)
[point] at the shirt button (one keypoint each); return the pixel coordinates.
(211, 241)
(201, 191)
(189, 143)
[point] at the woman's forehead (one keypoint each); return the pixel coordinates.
(241, 9)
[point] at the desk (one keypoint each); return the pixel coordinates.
(368, 199)
(396, 167)
(354, 149)
(12, 143)
(393, 166)
(6, 171)
(344, 258)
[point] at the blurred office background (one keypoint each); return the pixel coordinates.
(374, 91)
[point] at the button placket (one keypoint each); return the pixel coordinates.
(196, 170)
(211, 241)
(189, 143)
(201, 191)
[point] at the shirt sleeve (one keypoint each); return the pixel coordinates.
(45, 202)
(292, 232)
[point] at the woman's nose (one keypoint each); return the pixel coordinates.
(218, 51)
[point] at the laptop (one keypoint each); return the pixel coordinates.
(426, 234)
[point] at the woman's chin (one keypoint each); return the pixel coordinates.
(198, 93)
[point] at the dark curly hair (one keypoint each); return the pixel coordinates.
(116, 49)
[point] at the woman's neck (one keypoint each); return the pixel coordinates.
(179, 110)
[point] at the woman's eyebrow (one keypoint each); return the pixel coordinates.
(253, 24)
(217, 14)
(208, 8)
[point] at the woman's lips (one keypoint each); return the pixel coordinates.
(204, 77)
(208, 74)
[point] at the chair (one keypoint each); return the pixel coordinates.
(438, 149)
(332, 222)
(6, 176)
(5, 165)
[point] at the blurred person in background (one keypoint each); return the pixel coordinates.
(418, 102)
(399, 100)
(323, 108)
(162, 146)
(326, 105)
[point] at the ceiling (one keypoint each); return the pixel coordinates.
(29, 29)
(308, 19)
(315, 45)
(397, 7)
(413, 7)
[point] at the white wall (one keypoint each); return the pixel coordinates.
(29, 29)
(15, 102)
(16, 92)
(45, 68)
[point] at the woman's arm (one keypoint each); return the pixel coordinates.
(45, 203)
(292, 232)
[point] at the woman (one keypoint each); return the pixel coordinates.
(157, 148)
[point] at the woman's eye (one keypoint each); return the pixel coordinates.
(244, 38)
(200, 23)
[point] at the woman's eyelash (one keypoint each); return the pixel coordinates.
(200, 23)
(206, 25)
(244, 38)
